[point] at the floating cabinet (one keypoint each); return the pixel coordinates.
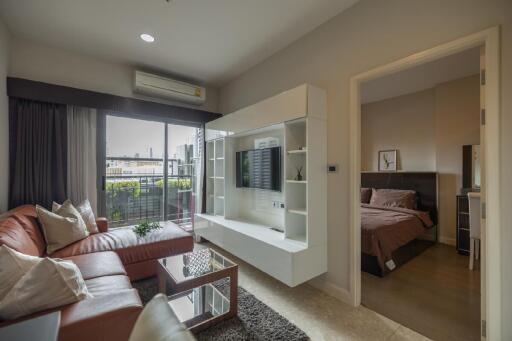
(289, 241)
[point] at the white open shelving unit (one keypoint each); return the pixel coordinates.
(215, 177)
(296, 250)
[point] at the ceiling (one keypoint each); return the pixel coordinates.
(422, 77)
(209, 41)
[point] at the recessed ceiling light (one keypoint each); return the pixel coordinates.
(148, 38)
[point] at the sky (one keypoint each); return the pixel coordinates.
(128, 136)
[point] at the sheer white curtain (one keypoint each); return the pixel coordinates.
(81, 177)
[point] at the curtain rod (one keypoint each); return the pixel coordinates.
(46, 92)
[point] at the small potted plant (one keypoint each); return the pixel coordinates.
(146, 227)
(299, 174)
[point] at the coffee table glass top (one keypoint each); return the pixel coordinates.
(195, 264)
(199, 304)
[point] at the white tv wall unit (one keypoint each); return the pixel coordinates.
(295, 251)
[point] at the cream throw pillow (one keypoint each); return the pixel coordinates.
(61, 228)
(85, 210)
(158, 322)
(13, 265)
(49, 284)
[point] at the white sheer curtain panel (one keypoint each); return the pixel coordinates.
(81, 177)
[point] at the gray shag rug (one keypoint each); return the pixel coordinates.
(255, 320)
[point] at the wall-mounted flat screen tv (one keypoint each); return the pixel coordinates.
(259, 168)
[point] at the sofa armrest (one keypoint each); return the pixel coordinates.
(102, 317)
(102, 224)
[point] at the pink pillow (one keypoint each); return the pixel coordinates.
(393, 198)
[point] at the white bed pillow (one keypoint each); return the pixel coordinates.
(62, 227)
(49, 284)
(13, 265)
(85, 210)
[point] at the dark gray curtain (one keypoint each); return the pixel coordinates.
(101, 161)
(37, 152)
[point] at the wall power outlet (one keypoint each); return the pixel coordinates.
(277, 204)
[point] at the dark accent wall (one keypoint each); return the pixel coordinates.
(136, 108)
(424, 183)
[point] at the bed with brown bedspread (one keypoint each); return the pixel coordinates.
(385, 229)
(394, 233)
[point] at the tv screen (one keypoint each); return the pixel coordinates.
(259, 168)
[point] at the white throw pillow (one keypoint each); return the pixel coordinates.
(85, 210)
(61, 228)
(49, 284)
(158, 322)
(13, 265)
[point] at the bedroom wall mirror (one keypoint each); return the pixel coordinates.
(471, 166)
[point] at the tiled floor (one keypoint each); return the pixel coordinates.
(321, 316)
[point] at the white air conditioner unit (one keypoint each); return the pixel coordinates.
(158, 86)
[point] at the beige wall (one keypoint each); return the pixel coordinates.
(428, 128)
(369, 34)
(51, 65)
(4, 118)
(457, 109)
(405, 123)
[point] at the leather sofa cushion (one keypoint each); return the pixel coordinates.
(130, 248)
(98, 264)
(99, 318)
(145, 269)
(31, 226)
(13, 235)
(101, 286)
(102, 224)
(27, 217)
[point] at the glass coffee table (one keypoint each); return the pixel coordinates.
(203, 286)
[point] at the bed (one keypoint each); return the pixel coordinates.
(391, 236)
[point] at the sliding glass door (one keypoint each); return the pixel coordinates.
(183, 160)
(134, 170)
(151, 171)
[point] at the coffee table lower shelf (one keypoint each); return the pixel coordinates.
(200, 302)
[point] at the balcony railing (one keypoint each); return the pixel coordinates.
(131, 199)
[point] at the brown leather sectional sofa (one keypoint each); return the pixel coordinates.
(108, 261)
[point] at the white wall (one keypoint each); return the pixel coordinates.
(369, 34)
(428, 128)
(52, 65)
(405, 123)
(4, 118)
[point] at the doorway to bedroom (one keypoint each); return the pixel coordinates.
(420, 158)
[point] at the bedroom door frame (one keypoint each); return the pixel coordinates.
(491, 289)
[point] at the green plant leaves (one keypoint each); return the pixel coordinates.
(144, 228)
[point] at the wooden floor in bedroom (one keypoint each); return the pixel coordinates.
(434, 294)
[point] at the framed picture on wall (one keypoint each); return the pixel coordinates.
(387, 161)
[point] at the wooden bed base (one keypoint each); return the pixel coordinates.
(400, 256)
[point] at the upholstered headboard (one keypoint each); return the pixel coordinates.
(424, 183)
